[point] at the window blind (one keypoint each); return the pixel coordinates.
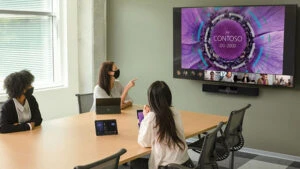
(26, 5)
(26, 39)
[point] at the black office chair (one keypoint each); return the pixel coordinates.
(1, 104)
(85, 102)
(207, 158)
(231, 139)
(111, 162)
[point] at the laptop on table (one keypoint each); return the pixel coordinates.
(108, 105)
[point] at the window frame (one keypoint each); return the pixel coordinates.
(59, 70)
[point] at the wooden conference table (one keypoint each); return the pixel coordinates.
(66, 142)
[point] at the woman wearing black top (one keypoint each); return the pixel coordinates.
(21, 111)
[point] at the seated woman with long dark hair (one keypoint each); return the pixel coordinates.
(162, 130)
(21, 111)
(109, 87)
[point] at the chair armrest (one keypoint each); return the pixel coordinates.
(195, 148)
(197, 145)
(177, 166)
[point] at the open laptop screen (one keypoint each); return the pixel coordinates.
(108, 105)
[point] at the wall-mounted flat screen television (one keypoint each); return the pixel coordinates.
(253, 45)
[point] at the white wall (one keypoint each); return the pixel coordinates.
(85, 45)
(91, 41)
(99, 36)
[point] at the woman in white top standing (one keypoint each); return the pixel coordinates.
(162, 130)
(109, 87)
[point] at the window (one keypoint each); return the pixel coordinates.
(28, 40)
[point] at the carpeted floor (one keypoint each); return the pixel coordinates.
(252, 161)
(248, 161)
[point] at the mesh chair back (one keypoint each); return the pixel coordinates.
(1, 103)
(233, 131)
(207, 159)
(111, 162)
(85, 102)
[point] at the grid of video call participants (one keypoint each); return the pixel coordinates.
(249, 78)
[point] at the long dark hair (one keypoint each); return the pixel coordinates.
(160, 100)
(17, 82)
(104, 77)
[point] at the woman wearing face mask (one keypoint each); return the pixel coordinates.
(21, 111)
(108, 86)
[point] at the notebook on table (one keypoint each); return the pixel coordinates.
(108, 105)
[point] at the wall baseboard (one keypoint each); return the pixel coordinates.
(270, 154)
(261, 152)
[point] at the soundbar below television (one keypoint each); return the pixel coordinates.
(244, 45)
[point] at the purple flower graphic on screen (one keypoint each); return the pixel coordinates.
(240, 39)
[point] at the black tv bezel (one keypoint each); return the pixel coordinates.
(289, 55)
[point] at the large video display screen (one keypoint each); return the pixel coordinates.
(247, 39)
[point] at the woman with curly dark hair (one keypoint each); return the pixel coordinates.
(21, 111)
